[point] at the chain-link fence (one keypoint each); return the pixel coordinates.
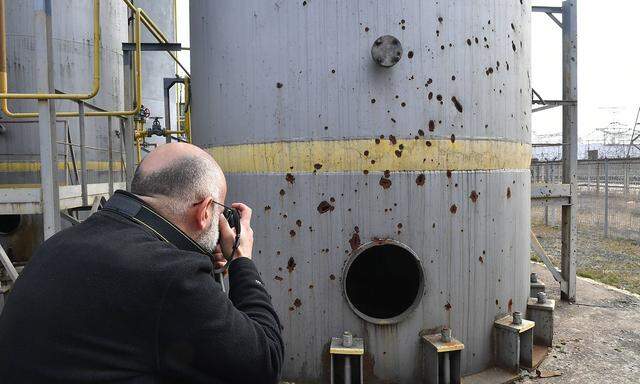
(608, 196)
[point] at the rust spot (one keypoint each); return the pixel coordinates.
(387, 173)
(377, 141)
(291, 309)
(267, 208)
(432, 125)
(457, 104)
(398, 153)
(278, 278)
(366, 153)
(430, 95)
(399, 226)
(420, 132)
(333, 200)
(447, 306)
(366, 29)
(354, 242)
(428, 143)
(310, 286)
(366, 171)
(332, 276)
(449, 174)
(496, 301)
(392, 139)
(489, 71)
(481, 259)
(317, 166)
(299, 223)
(439, 97)
(513, 46)
(297, 302)
(282, 192)
(440, 19)
(325, 207)
(385, 182)
(508, 192)
(292, 233)
(403, 104)
(473, 196)
(290, 178)
(291, 265)
(279, 85)
(510, 305)
(420, 180)
(373, 101)
(410, 54)
(453, 209)
(469, 42)
(453, 138)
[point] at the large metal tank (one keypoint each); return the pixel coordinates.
(388, 201)
(72, 32)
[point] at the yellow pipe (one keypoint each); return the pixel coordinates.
(4, 82)
(138, 85)
(137, 133)
(187, 113)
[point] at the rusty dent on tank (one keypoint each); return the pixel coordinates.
(325, 207)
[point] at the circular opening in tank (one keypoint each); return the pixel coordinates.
(384, 282)
(9, 223)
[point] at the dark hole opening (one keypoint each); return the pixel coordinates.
(9, 223)
(383, 281)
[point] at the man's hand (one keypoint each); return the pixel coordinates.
(228, 235)
(218, 258)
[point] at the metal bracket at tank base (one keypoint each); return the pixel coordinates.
(441, 358)
(514, 343)
(386, 51)
(540, 310)
(536, 285)
(344, 352)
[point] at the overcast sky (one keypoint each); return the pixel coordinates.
(608, 65)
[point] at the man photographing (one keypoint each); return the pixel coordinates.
(128, 294)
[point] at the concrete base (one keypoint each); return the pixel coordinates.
(535, 288)
(492, 375)
(346, 362)
(441, 360)
(514, 344)
(542, 315)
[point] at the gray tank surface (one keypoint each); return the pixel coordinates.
(391, 196)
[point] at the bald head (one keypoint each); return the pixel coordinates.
(176, 175)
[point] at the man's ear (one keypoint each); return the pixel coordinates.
(203, 213)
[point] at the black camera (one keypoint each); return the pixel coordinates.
(233, 218)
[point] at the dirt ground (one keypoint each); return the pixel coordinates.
(613, 261)
(597, 339)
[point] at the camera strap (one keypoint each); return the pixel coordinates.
(133, 208)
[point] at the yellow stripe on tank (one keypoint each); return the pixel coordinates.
(34, 166)
(360, 155)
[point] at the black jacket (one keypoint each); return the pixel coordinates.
(107, 301)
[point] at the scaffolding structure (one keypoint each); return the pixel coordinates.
(565, 193)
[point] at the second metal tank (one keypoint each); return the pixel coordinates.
(388, 201)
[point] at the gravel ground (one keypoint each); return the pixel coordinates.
(613, 261)
(596, 340)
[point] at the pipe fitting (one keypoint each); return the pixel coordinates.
(445, 334)
(517, 318)
(542, 297)
(347, 339)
